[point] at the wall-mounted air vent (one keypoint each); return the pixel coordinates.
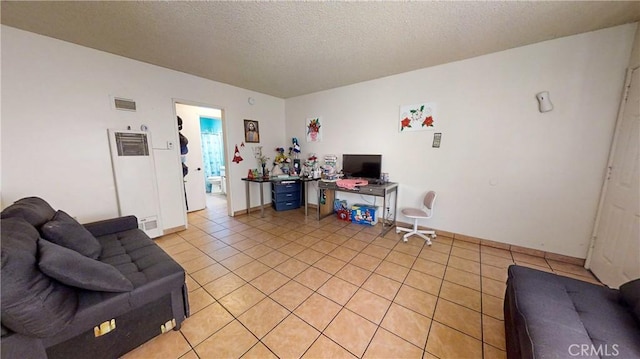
(124, 104)
(132, 144)
(148, 224)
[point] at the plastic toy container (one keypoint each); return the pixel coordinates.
(363, 214)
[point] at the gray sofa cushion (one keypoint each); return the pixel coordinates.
(111, 226)
(32, 303)
(34, 210)
(630, 294)
(562, 315)
(74, 269)
(67, 232)
(150, 269)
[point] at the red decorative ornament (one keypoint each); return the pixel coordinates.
(236, 156)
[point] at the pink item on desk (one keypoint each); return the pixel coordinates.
(351, 183)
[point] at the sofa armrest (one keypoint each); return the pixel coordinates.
(110, 226)
(18, 346)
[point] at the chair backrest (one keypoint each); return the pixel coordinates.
(429, 200)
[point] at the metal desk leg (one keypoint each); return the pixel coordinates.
(306, 196)
(384, 220)
(395, 208)
(247, 195)
(386, 227)
(318, 205)
(261, 200)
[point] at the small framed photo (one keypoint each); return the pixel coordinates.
(251, 131)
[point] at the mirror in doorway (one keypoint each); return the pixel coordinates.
(213, 154)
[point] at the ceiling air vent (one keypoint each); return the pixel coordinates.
(124, 104)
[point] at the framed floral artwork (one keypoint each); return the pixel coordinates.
(418, 117)
(314, 129)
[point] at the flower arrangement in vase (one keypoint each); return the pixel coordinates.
(262, 160)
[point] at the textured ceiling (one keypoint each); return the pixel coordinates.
(287, 49)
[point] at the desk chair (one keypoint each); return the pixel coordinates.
(417, 214)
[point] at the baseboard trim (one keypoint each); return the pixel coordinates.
(173, 230)
(471, 239)
(505, 246)
(244, 211)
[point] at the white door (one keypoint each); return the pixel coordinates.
(194, 181)
(616, 252)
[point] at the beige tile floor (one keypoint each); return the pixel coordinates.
(289, 286)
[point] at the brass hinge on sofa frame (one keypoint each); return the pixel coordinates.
(104, 328)
(168, 326)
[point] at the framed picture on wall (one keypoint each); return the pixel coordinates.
(251, 131)
(314, 131)
(420, 117)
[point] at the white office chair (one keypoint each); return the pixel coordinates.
(417, 214)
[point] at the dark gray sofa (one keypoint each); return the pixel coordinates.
(551, 316)
(97, 290)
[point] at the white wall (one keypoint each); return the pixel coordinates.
(505, 171)
(635, 53)
(56, 109)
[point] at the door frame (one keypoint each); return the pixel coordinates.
(224, 144)
(612, 149)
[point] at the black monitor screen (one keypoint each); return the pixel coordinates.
(362, 166)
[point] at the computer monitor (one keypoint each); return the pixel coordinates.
(362, 166)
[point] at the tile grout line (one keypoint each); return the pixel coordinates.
(426, 342)
(360, 286)
(482, 308)
(343, 307)
(292, 312)
(253, 223)
(378, 326)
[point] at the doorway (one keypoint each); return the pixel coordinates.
(613, 254)
(205, 180)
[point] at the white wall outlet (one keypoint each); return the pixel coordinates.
(169, 145)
